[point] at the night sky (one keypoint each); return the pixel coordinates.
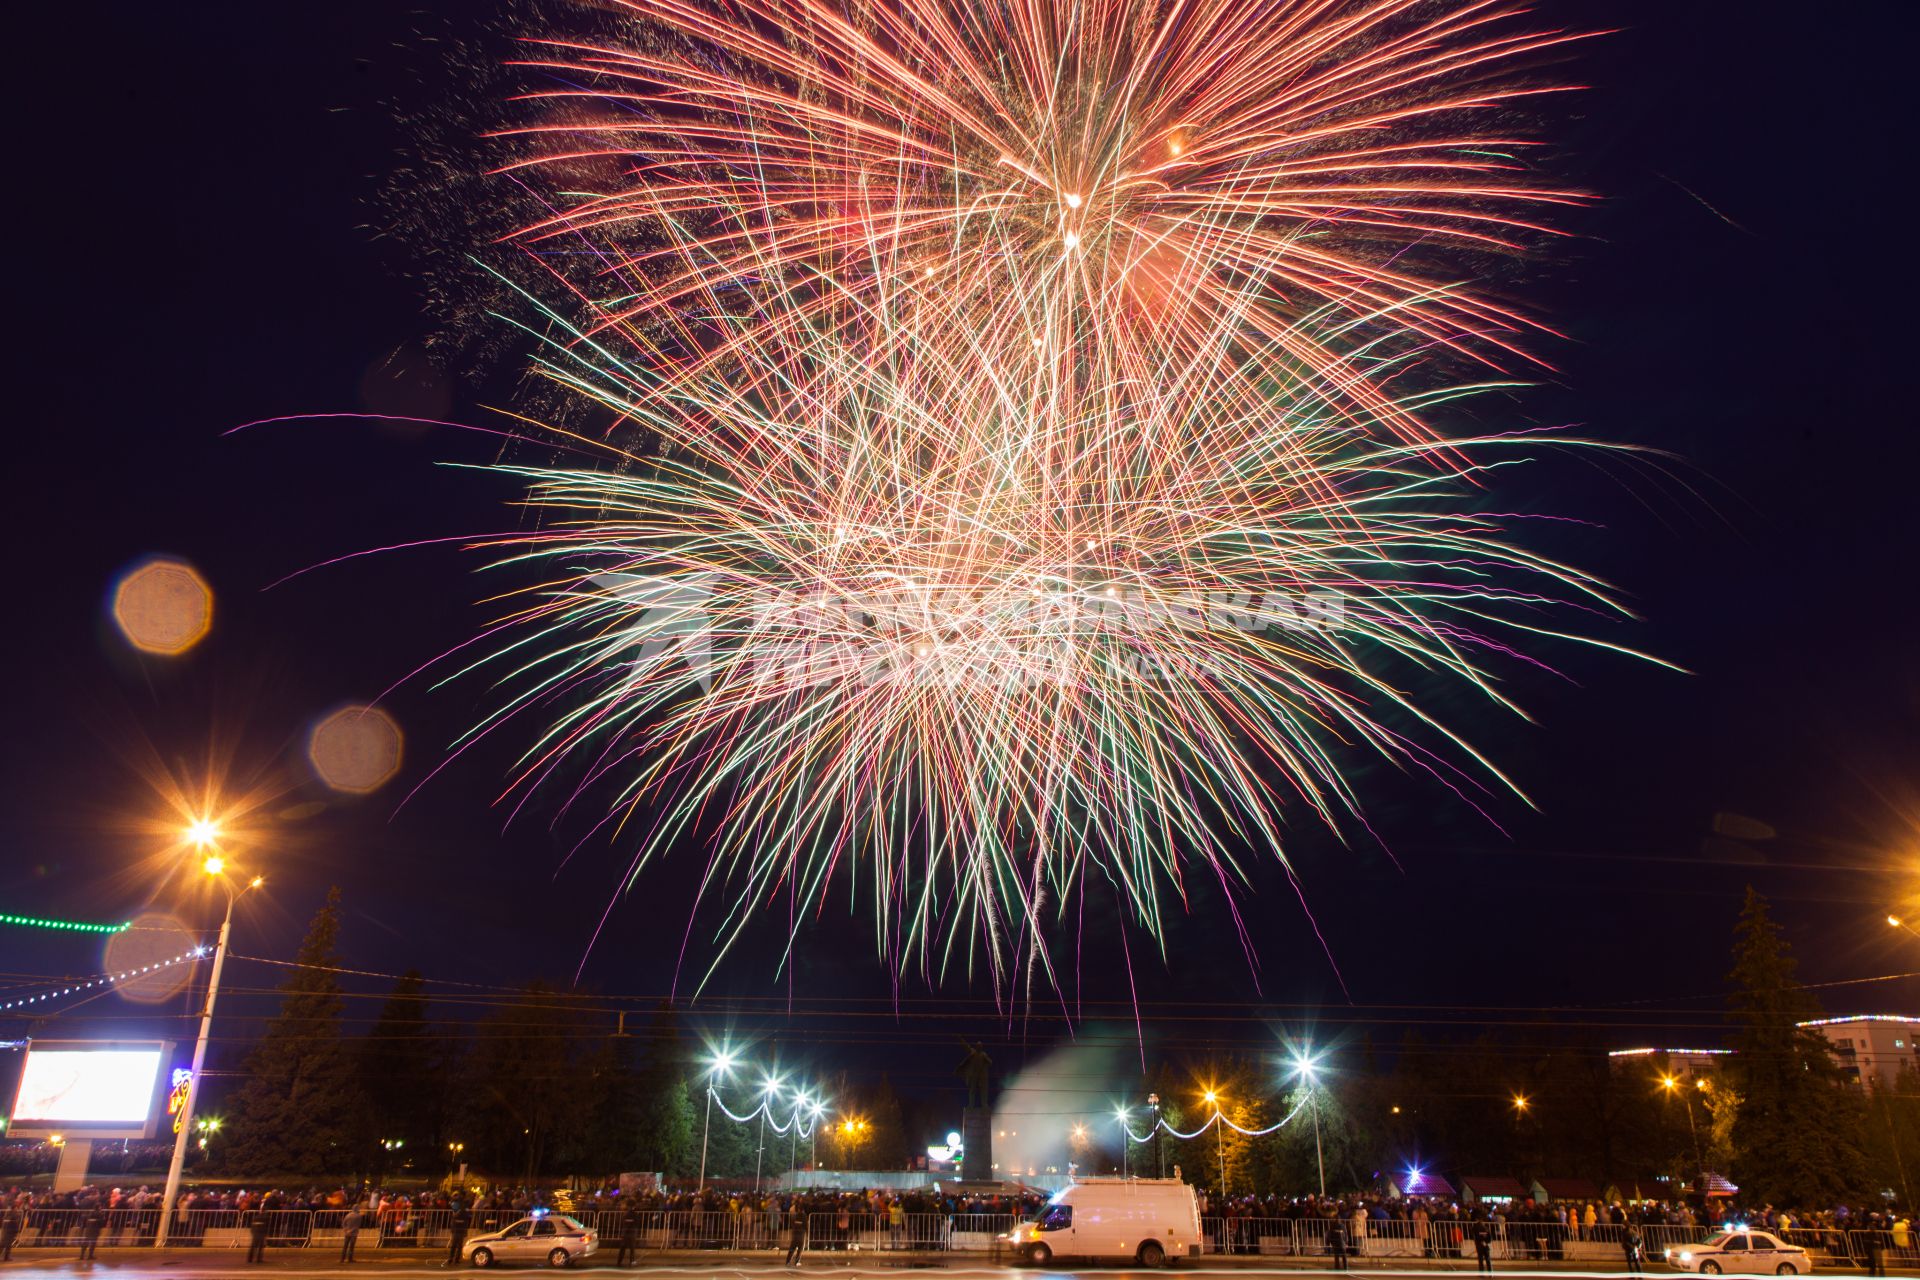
(197, 188)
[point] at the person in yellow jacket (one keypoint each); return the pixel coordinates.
(1902, 1233)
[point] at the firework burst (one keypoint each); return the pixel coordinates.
(1021, 472)
(1107, 180)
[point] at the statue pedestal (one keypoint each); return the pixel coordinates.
(976, 1143)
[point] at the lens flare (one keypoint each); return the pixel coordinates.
(163, 606)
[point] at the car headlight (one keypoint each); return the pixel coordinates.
(1686, 1255)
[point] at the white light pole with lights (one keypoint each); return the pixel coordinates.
(722, 1063)
(767, 1098)
(1308, 1068)
(203, 835)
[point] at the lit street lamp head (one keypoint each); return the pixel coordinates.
(214, 864)
(202, 832)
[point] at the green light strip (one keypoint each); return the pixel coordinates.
(75, 926)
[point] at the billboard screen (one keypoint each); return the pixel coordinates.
(89, 1088)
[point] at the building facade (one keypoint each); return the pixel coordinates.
(1872, 1049)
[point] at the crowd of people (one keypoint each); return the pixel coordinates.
(828, 1218)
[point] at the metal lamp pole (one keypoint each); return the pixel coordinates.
(1319, 1156)
(1308, 1069)
(214, 866)
(1159, 1159)
(721, 1064)
(760, 1153)
(1220, 1128)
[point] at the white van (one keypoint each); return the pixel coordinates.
(1151, 1221)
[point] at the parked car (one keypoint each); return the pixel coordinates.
(552, 1238)
(1743, 1252)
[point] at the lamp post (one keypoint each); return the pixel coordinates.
(766, 1104)
(1220, 1132)
(1120, 1118)
(1308, 1068)
(1159, 1160)
(1672, 1085)
(203, 834)
(722, 1064)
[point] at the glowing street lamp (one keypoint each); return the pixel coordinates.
(202, 833)
(1307, 1067)
(1671, 1083)
(817, 1108)
(1120, 1118)
(1220, 1125)
(1520, 1103)
(1159, 1152)
(718, 1067)
(771, 1092)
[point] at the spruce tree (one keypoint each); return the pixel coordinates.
(295, 1112)
(1797, 1136)
(402, 1077)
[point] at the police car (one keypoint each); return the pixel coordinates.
(1744, 1252)
(552, 1238)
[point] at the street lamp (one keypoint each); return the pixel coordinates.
(1120, 1118)
(1307, 1067)
(1520, 1103)
(719, 1067)
(1220, 1125)
(1159, 1158)
(818, 1108)
(203, 834)
(766, 1104)
(1671, 1084)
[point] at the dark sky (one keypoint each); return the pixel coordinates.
(194, 187)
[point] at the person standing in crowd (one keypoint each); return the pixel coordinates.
(796, 1234)
(629, 1235)
(92, 1222)
(1632, 1244)
(349, 1233)
(1482, 1245)
(457, 1233)
(11, 1220)
(1337, 1243)
(257, 1232)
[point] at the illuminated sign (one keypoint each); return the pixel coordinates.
(89, 1089)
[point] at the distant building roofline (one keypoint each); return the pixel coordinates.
(1861, 1017)
(1673, 1053)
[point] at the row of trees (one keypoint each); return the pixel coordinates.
(538, 1086)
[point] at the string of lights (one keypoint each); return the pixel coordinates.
(103, 980)
(70, 926)
(766, 1108)
(1218, 1117)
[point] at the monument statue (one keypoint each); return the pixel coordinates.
(974, 1070)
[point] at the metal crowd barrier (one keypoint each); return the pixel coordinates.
(845, 1231)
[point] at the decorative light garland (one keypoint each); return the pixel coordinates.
(793, 1121)
(74, 926)
(1220, 1117)
(105, 979)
